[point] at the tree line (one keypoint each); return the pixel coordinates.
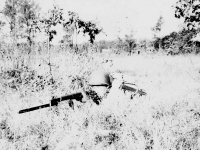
(181, 42)
(25, 20)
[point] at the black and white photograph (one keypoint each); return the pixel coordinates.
(99, 74)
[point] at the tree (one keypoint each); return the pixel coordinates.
(10, 12)
(91, 29)
(131, 43)
(22, 17)
(189, 10)
(75, 25)
(28, 18)
(156, 30)
(54, 17)
(158, 27)
(119, 45)
(71, 27)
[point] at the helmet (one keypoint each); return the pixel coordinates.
(98, 78)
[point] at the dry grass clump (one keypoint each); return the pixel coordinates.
(167, 117)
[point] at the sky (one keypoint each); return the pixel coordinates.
(120, 17)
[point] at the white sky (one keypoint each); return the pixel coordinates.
(120, 17)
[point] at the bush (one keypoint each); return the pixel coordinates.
(178, 42)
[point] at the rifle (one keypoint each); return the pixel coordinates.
(54, 102)
(79, 96)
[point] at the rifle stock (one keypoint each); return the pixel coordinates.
(78, 96)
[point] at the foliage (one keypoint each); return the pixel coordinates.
(177, 42)
(157, 43)
(54, 17)
(130, 43)
(102, 45)
(158, 27)
(28, 19)
(71, 27)
(119, 45)
(25, 20)
(91, 29)
(75, 25)
(189, 11)
(10, 11)
(22, 16)
(156, 30)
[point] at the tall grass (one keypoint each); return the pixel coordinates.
(167, 117)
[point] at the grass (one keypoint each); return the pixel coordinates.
(166, 118)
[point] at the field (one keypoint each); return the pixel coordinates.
(168, 117)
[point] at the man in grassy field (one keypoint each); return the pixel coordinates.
(103, 83)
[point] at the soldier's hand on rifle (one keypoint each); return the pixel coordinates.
(85, 97)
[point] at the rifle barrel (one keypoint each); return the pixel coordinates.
(78, 96)
(34, 108)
